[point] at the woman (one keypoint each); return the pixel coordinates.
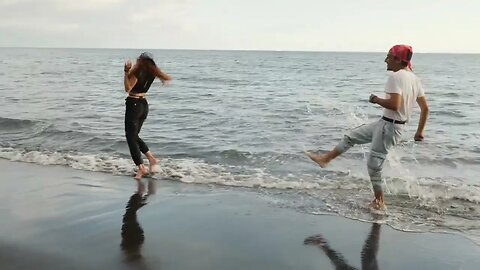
(137, 81)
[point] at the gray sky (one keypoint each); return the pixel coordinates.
(311, 25)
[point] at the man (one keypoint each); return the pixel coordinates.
(402, 89)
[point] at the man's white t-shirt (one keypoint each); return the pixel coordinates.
(407, 84)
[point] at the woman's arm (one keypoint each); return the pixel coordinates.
(161, 75)
(129, 78)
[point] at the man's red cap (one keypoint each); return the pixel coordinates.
(402, 53)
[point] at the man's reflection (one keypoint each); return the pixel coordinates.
(368, 254)
(132, 233)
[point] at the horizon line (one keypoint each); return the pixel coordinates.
(225, 50)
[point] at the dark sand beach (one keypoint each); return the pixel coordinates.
(54, 217)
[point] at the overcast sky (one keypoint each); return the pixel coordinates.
(306, 25)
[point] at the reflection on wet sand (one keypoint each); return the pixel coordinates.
(132, 233)
(368, 254)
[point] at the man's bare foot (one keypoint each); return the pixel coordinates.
(315, 240)
(378, 205)
(142, 171)
(321, 160)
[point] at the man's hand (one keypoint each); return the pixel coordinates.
(372, 98)
(419, 136)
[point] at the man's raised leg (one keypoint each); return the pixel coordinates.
(359, 135)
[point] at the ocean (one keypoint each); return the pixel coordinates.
(242, 120)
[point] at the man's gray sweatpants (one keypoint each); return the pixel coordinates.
(383, 135)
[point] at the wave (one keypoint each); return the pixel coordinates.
(86, 162)
(187, 170)
(424, 205)
(44, 136)
(13, 124)
(455, 113)
(198, 171)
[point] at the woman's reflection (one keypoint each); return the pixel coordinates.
(368, 254)
(132, 233)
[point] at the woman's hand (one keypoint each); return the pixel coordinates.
(127, 66)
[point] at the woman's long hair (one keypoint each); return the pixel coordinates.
(147, 65)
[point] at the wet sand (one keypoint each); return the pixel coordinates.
(54, 217)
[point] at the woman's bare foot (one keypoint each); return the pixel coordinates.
(152, 189)
(142, 171)
(154, 168)
(153, 162)
(321, 160)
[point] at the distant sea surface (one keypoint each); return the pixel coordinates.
(242, 119)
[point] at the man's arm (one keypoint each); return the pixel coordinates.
(393, 103)
(422, 103)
